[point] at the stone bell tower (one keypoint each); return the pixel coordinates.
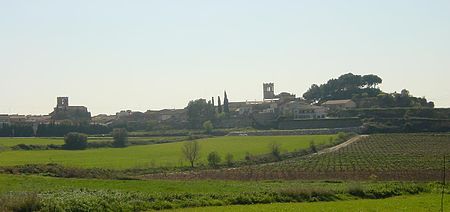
(268, 91)
(62, 102)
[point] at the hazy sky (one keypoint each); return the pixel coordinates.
(113, 55)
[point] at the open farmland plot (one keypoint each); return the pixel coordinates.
(384, 157)
(425, 202)
(159, 155)
(10, 142)
(400, 153)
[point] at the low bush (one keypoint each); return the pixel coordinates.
(120, 136)
(386, 190)
(214, 159)
(308, 194)
(75, 141)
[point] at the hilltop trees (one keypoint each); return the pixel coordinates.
(344, 87)
(364, 91)
(198, 112)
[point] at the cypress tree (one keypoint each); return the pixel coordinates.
(219, 105)
(226, 109)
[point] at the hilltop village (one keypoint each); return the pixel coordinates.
(271, 107)
(351, 102)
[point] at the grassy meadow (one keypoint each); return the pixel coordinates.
(155, 155)
(10, 142)
(417, 203)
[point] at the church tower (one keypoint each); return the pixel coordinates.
(268, 91)
(62, 102)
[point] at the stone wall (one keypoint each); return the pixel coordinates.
(319, 123)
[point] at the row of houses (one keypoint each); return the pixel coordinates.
(273, 106)
(24, 119)
(288, 105)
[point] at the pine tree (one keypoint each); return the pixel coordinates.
(219, 105)
(226, 109)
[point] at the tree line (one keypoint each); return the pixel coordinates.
(202, 113)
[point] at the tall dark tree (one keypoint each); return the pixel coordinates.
(371, 80)
(212, 101)
(226, 108)
(219, 105)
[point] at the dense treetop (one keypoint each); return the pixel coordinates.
(363, 89)
(344, 87)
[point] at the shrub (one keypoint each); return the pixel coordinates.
(75, 141)
(313, 147)
(356, 190)
(307, 194)
(248, 156)
(208, 127)
(275, 150)
(229, 159)
(214, 159)
(120, 136)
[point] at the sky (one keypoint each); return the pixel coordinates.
(113, 55)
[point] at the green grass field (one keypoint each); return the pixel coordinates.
(418, 203)
(9, 142)
(157, 155)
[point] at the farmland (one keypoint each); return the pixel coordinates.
(10, 142)
(89, 194)
(385, 157)
(158, 155)
(373, 172)
(378, 154)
